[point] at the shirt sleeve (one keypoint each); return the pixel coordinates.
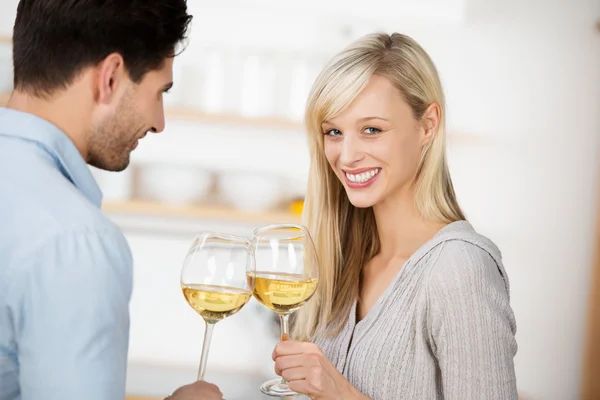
(472, 326)
(72, 317)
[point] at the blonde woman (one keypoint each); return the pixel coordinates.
(412, 303)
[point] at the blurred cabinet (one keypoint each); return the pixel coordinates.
(165, 331)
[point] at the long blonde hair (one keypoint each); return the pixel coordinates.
(345, 236)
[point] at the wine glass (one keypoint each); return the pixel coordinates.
(286, 277)
(214, 280)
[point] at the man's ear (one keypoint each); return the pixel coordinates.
(111, 74)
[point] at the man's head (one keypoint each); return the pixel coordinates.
(114, 57)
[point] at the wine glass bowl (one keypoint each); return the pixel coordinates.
(215, 303)
(284, 293)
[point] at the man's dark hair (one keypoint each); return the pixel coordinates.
(54, 40)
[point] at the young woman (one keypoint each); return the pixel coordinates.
(412, 303)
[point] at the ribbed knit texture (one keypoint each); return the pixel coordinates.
(444, 329)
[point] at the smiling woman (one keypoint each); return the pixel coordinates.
(412, 302)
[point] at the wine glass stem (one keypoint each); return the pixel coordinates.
(285, 334)
(205, 348)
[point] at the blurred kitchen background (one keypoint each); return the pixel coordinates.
(522, 80)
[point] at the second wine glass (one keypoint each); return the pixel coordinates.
(286, 277)
(214, 280)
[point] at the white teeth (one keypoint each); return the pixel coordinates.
(363, 177)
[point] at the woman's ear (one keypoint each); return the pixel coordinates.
(430, 122)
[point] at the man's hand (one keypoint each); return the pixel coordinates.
(200, 390)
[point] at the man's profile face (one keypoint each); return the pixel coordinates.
(137, 111)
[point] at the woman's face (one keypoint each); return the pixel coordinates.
(374, 146)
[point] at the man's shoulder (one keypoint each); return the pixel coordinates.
(43, 199)
(53, 213)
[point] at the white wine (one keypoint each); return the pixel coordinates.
(215, 303)
(283, 293)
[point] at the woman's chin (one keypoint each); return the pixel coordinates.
(362, 201)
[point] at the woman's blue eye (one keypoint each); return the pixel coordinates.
(372, 130)
(333, 132)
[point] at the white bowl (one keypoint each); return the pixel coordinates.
(174, 184)
(249, 191)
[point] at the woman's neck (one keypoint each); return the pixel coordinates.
(401, 227)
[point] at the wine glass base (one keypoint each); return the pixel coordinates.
(276, 388)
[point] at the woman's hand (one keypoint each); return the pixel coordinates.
(307, 371)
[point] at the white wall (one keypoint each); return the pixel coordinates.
(535, 90)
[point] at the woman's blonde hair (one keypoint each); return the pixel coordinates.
(345, 236)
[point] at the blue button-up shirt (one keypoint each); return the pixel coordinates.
(65, 271)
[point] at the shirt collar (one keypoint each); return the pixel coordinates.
(54, 141)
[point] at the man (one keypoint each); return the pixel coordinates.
(89, 78)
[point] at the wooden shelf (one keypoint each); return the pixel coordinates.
(137, 207)
(5, 40)
(177, 113)
(182, 113)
